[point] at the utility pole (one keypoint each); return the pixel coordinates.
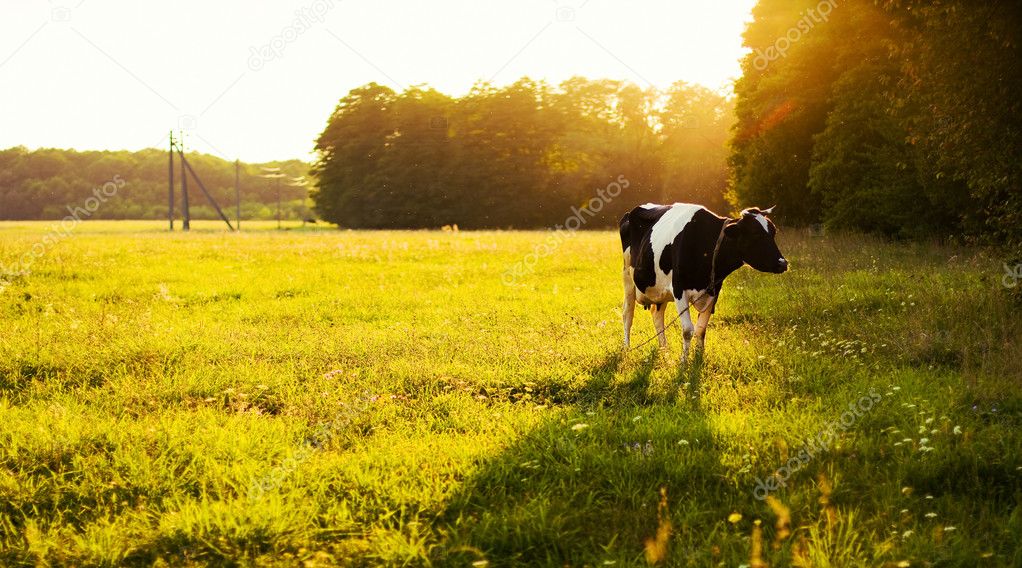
(237, 194)
(303, 183)
(170, 184)
(275, 175)
(186, 223)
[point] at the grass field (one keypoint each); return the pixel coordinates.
(329, 397)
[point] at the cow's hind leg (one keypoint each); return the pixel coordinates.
(628, 308)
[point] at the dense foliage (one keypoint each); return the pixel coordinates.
(900, 117)
(525, 155)
(51, 184)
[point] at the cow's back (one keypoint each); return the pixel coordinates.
(637, 228)
(648, 234)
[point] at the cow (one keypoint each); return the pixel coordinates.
(683, 253)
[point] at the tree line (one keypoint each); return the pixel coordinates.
(520, 156)
(50, 183)
(898, 117)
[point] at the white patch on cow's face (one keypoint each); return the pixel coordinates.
(664, 231)
(763, 221)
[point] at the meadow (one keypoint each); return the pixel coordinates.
(321, 397)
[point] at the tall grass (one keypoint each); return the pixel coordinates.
(366, 398)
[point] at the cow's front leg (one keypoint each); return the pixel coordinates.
(687, 329)
(658, 322)
(702, 322)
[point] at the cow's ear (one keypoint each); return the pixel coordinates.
(732, 229)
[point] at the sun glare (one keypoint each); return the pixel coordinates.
(256, 80)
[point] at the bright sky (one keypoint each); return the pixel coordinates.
(118, 74)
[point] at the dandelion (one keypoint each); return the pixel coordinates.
(579, 427)
(733, 518)
(924, 441)
(950, 528)
(904, 511)
(682, 442)
(930, 515)
(958, 430)
(906, 534)
(929, 496)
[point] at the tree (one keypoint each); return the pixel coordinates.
(350, 149)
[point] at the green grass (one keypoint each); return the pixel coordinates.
(335, 397)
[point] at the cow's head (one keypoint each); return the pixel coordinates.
(753, 232)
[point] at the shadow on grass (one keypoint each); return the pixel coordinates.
(606, 389)
(583, 486)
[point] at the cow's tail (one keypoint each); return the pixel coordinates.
(626, 236)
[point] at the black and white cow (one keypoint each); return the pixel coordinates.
(669, 256)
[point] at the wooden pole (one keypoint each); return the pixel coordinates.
(170, 185)
(275, 174)
(237, 194)
(186, 222)
(206, 192)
